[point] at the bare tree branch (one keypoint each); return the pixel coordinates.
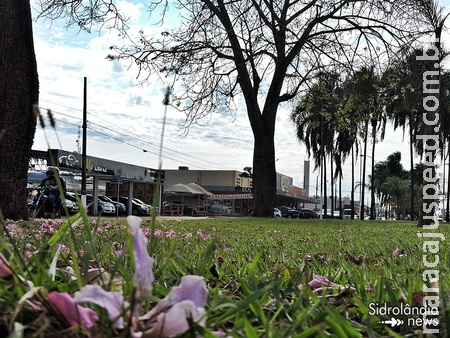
(263, 50)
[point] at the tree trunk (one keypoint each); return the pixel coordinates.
(429, 130)
(411, 154)
(332, 185)
(324, 205)
(363, 187)
(340, 195)
(447, 207)
(19, 91)
(372, 169)
(264, 174)
(352, 197)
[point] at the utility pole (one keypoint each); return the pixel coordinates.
(83, 155)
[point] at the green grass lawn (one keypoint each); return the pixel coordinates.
(257, 272)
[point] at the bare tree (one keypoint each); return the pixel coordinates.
(260, 50)
(19, 90)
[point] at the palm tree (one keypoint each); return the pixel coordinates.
(315, 121)
(444, 104)
(345, 141)
(396, 188)
(378, 120)
(378, 177)
(403, 100)
(434, 17)
(394, 165)
(364, 103)
(404, 104)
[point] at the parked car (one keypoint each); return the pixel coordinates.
(120, 207)
(137, 200)
(34, 178)
(288, 212)
(307, 213)
(178, 208)
(347, 214)
(104, 208)
(136, 208)
(72, 207)
(325, 213)
(276, 212)
(337, 214)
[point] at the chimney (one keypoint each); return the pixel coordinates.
(306, 177)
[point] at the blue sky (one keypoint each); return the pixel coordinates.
(127, 118)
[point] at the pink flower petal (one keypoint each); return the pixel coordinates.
(143, 276)
(192, 288)
(174, 321)
(318, 282)
(73, 314)
(5, 271)
(111, 301)
(396, 253)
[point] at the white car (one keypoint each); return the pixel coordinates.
(348, 214)
(104, 208)
(276, 212)
(72, 207)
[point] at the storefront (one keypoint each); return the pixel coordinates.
(238, 203)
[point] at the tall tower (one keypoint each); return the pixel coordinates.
(306, 177)
(78, 151)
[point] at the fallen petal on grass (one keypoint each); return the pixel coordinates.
(111, 301)
(143, 277)
(73, 314)
(5, 271)
(175, 321)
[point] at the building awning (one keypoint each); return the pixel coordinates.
(298, 198)
(190, 188)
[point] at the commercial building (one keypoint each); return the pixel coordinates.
(230, 192)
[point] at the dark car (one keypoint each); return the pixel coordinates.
(149, 206)
(175, 208)
(307, 213)
(288, 212)
(136, 208)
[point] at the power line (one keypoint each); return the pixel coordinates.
(142, 141)
(125, 142)
(213, 164)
